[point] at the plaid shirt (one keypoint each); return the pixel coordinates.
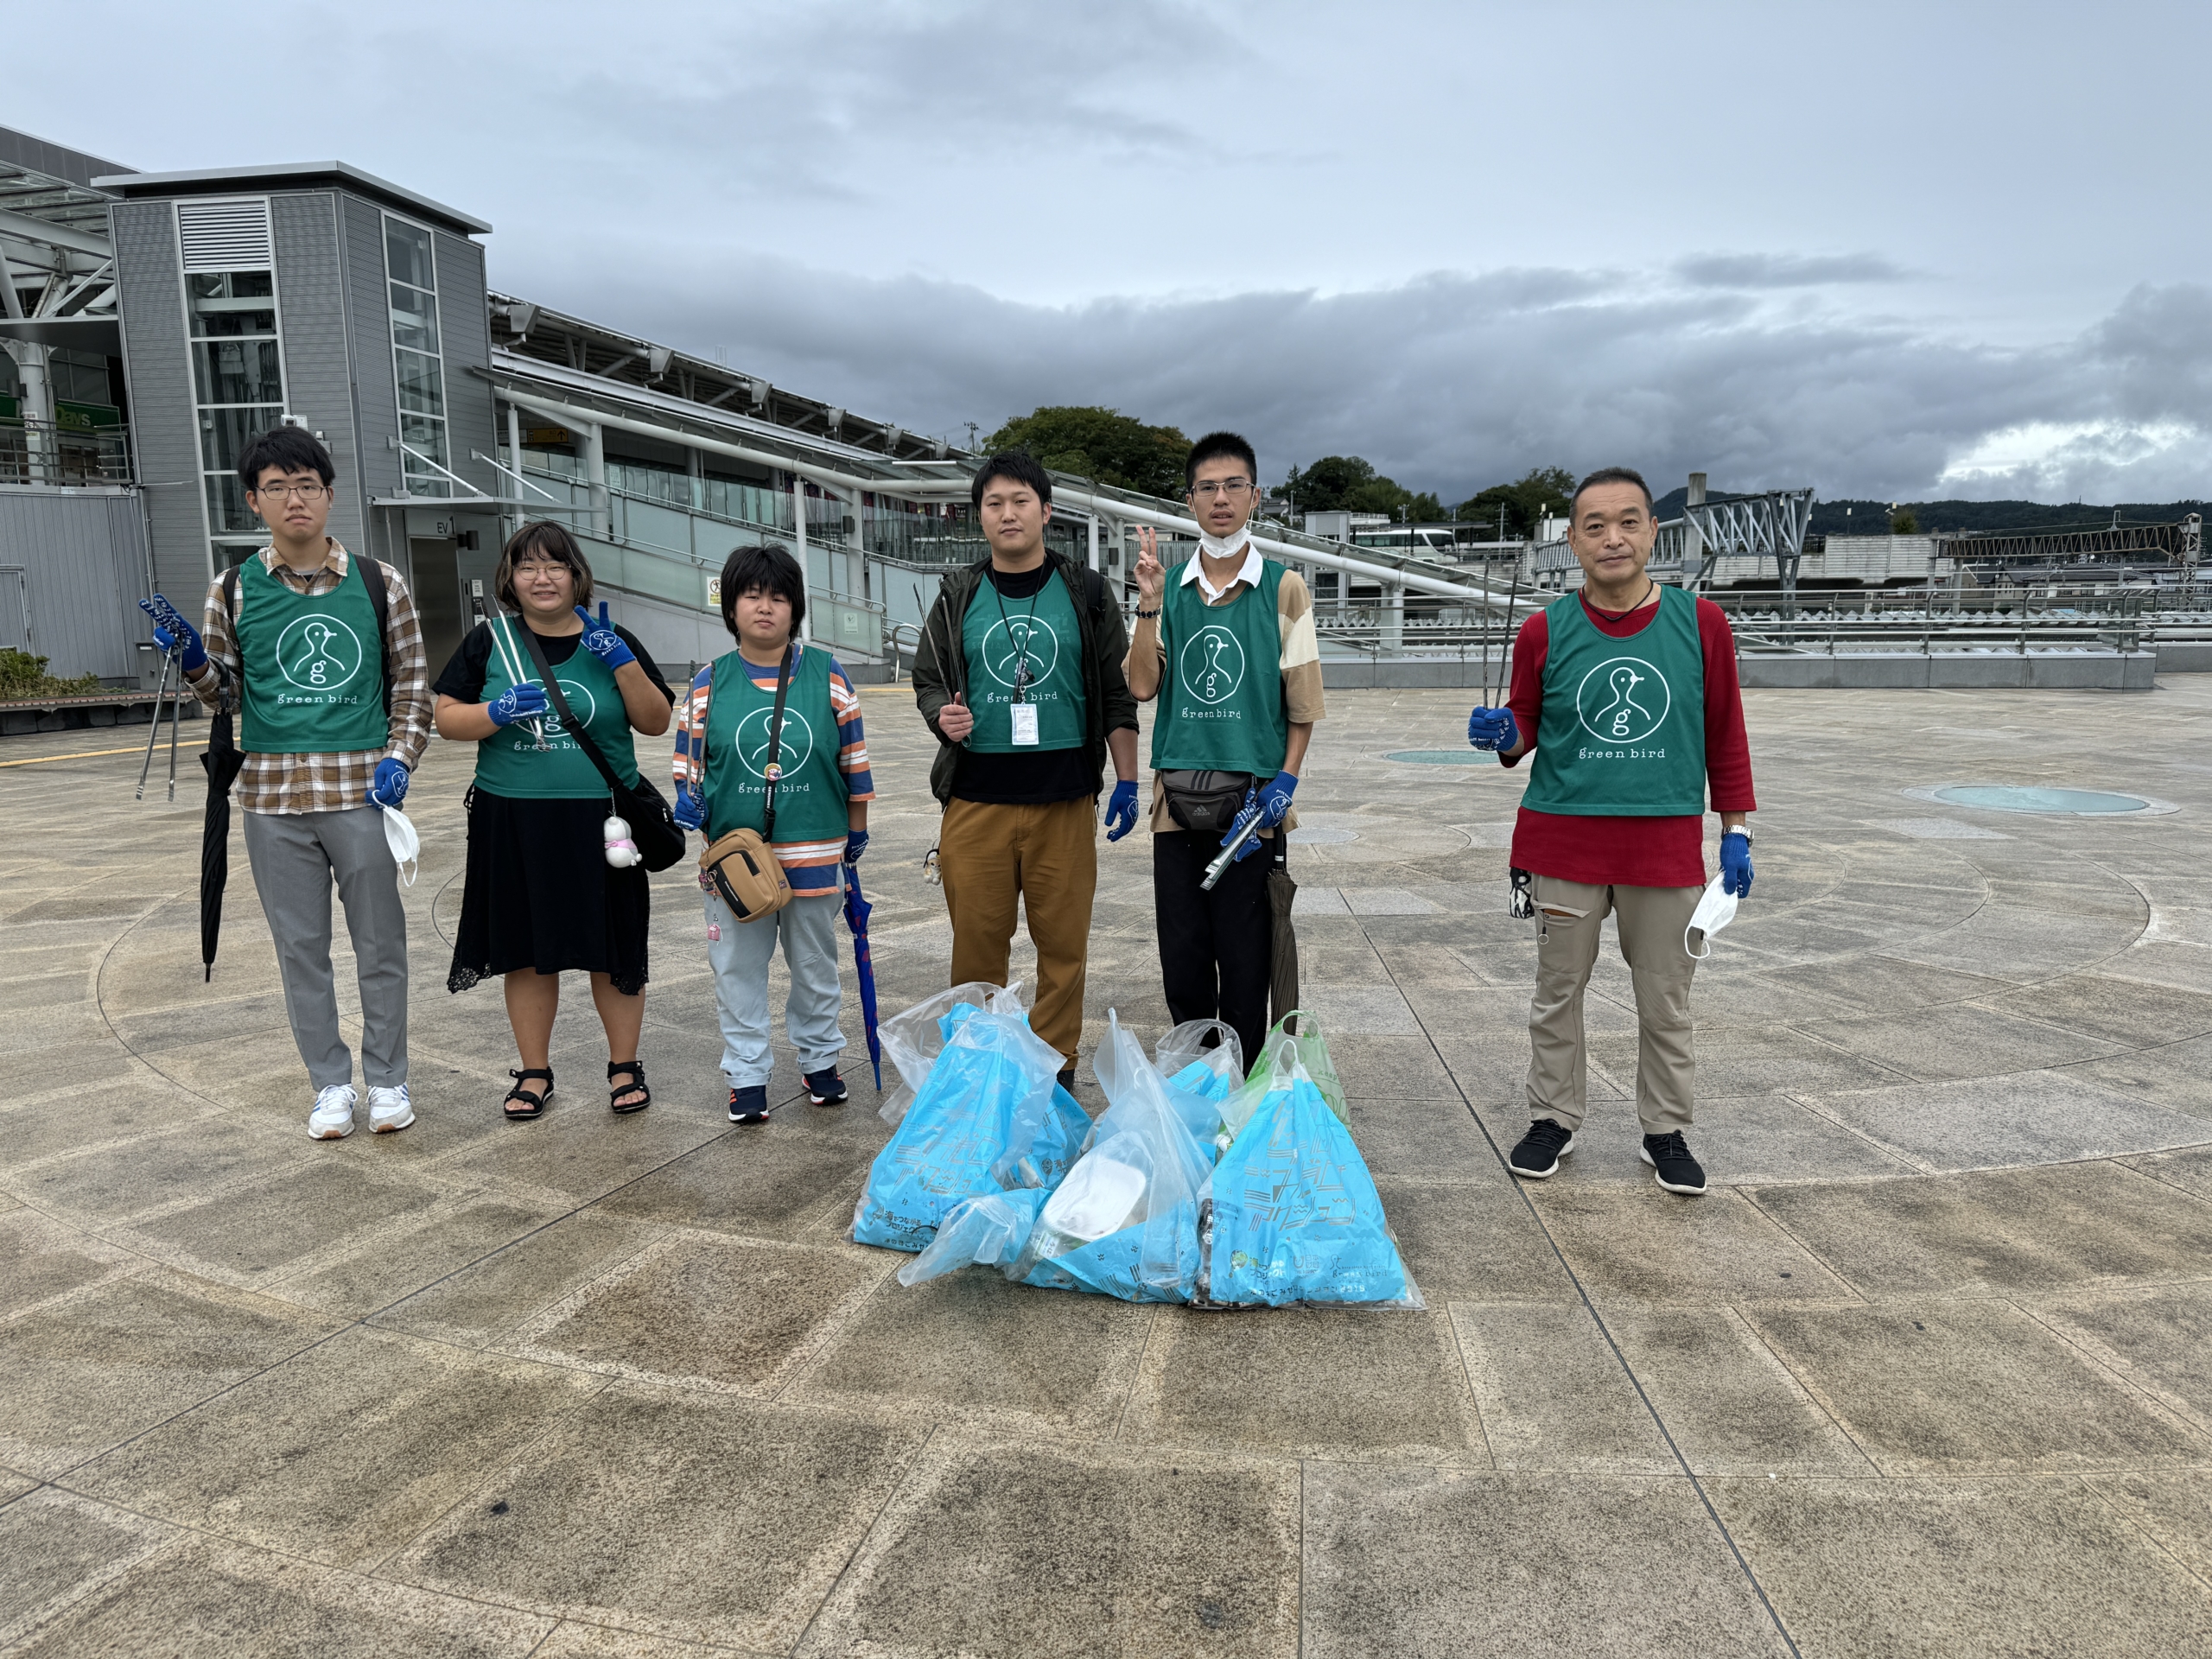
(325, 782)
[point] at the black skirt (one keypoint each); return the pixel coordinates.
(540, 894)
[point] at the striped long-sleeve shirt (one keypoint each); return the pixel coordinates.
(810, 866)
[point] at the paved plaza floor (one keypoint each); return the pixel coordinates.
(1925, 1373)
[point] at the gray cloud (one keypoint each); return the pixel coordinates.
(1768, 270)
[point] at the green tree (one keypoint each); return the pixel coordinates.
(1326, 484)
(1904, 522)
(1102, 443)
(1539, 491)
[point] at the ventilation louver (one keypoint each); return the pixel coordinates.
(225, 235)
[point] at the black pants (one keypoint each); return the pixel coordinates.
(1214, 946)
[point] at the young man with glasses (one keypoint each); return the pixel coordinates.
(1227, 645)
(1627, 692)
(324, 656)
(1019, 674)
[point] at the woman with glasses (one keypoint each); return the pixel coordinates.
(540, 897)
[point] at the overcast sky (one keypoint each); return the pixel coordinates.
(1893, 251)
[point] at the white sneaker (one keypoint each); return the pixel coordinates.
(333, 1117)
(388, 1109)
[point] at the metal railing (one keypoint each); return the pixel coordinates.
(64, 456)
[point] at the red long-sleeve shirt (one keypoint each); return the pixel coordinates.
(1634, 852)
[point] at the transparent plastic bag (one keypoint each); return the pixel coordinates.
(1125, 1221)
(1300, 1034)
(988, 1230)
(1210, 1043)
(913, 1040)
(1290, 1213)
(989, 1116)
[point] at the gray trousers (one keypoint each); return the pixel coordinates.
(1569, 916)
(295, 856)
(808, 928)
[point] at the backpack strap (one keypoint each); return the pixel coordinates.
(373, 579)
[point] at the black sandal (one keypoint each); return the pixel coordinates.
(635, 1086)
(534, 1105)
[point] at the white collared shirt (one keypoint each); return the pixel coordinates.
(1250, 571)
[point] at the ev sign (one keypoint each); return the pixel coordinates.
(319, 653)
(1623, 700)
(1211, 664)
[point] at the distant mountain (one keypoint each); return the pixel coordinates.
(1872, 518)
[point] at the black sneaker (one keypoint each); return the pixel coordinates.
(1669, 1157)
(825, 1087)
(749, 1105)
(1067, 1078)
(1537, 1156)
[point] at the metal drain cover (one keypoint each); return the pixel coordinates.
(2044, 800)
(1440, 756)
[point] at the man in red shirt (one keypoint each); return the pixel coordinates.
(1627, 693)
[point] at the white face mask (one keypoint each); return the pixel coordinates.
(406, 846)
(1715, 910)
(1216, 548)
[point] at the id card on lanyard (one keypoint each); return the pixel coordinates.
(1021, 711)
(1024, 724)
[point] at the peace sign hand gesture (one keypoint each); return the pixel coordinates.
(1151, 575)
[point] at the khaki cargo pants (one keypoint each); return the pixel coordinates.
(1569, 916)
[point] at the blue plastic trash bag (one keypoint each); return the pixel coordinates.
(1125, 1221)
(1212, 1044)
(989, 1116)
(913, 1040)
(988, 1230)
(1291, 1214)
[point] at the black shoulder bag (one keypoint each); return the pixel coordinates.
(653, 825)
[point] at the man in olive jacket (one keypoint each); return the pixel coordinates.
(1019, 673)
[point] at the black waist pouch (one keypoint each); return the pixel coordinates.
(1206, 802)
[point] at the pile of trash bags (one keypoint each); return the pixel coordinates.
(1200, 1182)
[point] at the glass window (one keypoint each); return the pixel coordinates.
(418, 371)
(233, 302)
(407, 254)
(238, 380)
(224, 434)
(420, 390)
(227, 507)
(414, 318)
(238, 371)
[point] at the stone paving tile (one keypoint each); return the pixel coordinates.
(1473, 1244)
(1643, 1245)
(1958, 1040)
(752, 1311)
(2158, 1339)
(1430, 1564)
(1421, 1141)
(2177, 1076)
(254, 1231)
(2175, 1510)
(41, 1259)
(208, 1600)
(573, 1639)
(772, 1182)
(973, 1348)
(1037, 1549)
(342, 1454)
(1746, 1062)
(1553, 1394)
(79, 1375)
(694, 1517)
(2116, 1009)
(498, 1291)
(1960, 1569)
(1971, 1386)
(2028, 1117)
(2085, 1225)
(1879, 984)
(2192, 1170)
(58, 1548)
(160, 1170)
(1382, 1384)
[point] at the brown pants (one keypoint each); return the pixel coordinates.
(1045, 856)
(1569, 915)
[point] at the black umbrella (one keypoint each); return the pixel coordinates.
(223, 758)
(1282, 950)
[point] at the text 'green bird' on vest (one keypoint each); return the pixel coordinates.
(1221, 701)
(810, 791)
(1623, 729)
(312, 666)
(509, 763)
(1028, 650)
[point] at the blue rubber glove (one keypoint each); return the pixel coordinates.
(601, 640)
(1122, 810)
(1493, 729)
(1268, 804)
(856, 844)
(389, 788)
(690, 812)
(1736, 864)
(171, 629)
(517, 702)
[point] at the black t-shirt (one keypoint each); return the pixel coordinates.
(463, 677)
(1017, 779)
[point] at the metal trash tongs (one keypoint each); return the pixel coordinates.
(1229, 854)
(173, 657)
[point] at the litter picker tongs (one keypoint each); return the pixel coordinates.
(511, 661)
(171, 658)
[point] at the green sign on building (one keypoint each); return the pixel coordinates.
(86, 417)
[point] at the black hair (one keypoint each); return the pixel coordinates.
(540, 540)
(1019, 466)
(289, 450)
(1610, 475)
(1213, 447)
(764, 565)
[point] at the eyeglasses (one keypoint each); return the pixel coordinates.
(1231, 487)
(304, 492)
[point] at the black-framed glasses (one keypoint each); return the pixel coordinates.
(305, 492)
(1230, 487)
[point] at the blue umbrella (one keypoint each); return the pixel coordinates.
(856, 913)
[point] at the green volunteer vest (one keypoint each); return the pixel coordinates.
(1221, 705)
(1623, 729)
(313, 667)
(997, 634)
(810, 794)
(509, 763)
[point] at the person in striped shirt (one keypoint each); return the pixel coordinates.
(823, 789)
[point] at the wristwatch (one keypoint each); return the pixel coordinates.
(1745, 832)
